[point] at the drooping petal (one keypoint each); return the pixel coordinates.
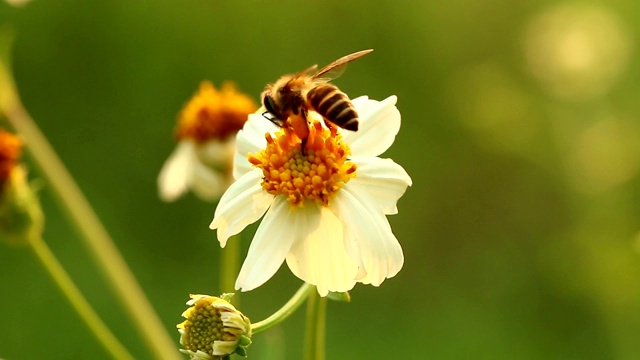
(207, 183)
(175, 175)
(250, 140)
(383, 179)
(269, 246)
(242, 204)
(379, 125)
(217, 153)
(353, 252)
(319, 257)
(379, 250)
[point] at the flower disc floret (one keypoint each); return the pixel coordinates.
(214, 114)
(314, 172)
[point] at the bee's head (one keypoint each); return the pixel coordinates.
(273, 112)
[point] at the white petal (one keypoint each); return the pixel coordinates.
(320, 258)
(222, 348)
(207, 183)
(367, 226)
(175, 175)
(379, 125)
(360, 102)
(250, 140)
(383, 179)
(353, 252)
(269, 246)
(217, 153)
(242, 204)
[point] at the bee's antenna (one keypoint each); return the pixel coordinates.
(274, 120)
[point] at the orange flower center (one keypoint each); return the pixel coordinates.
(214, 114)
(316, 173)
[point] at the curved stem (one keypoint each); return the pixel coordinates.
(287, 309)
(315, 329)
(72, 200)
(78, 302)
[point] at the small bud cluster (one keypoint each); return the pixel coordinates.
(21, 217)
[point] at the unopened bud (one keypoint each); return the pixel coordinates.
(213, 329)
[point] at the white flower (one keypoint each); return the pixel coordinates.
(332, 230)
(206, 131)
(203, 168)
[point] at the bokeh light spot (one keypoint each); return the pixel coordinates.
(576, 51)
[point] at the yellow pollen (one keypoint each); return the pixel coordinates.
(214, 114)
(316, 173)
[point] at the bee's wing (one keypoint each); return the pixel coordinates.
(329, 75)
(308, 72)
(337, 68)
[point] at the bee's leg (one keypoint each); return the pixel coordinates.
(333, 128)
(303, 141)
(300, 126)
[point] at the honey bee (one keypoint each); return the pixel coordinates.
(290, 98)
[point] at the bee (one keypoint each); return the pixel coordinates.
(289, 99)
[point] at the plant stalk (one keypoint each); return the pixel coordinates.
(105, 253)
(78, 301)
(314, 346)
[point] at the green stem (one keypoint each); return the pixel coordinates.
(314, 345)
(79, 210)
(78, 302)
(229, 266)
(287, 309)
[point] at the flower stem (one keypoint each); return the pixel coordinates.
(229, 265)
(80, 212)
(78, 302)
(315, 329)
(287, 309)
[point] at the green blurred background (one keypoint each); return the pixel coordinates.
(521, 131)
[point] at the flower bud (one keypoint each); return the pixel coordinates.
(213, 328)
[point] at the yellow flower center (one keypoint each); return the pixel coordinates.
(317, 173)
(214, 114)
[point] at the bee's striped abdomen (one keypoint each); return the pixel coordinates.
(334, 106)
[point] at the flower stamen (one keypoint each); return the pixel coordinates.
(316, 173)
